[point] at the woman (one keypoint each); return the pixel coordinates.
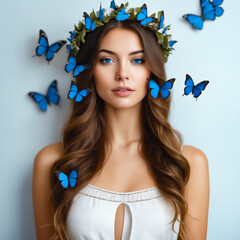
(135, 179)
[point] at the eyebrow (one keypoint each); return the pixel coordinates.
(113, 53)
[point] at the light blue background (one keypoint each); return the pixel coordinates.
(211, 123)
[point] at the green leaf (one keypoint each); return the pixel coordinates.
(80, 25)
(92, 15)
(165, 41)
(153, 15)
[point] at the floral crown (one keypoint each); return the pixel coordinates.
(97, 19)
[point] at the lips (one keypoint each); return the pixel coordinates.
(122, 89)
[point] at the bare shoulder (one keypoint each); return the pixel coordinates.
(194, 155)
(41, 189)
(49, 154)
(197, 192)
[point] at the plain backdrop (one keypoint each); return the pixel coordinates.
(211, 123)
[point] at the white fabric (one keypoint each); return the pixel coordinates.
(147, 215)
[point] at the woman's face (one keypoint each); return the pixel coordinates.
(121, 63)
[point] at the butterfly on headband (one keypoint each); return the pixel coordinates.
(195, 89)
(43, 100)
(142, 16)
(164, 89)
(78, 94)
(161, 20)
(89, 24)
(65, 180)
(72, 65)
(113, 5)
(44, 47)
(72, 35)
(101, 11)
(122, 15)
(210, 10)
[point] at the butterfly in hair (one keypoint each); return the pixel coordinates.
(72, 65)
(89, 24)
(210, 10)
(142, 16)
(78, 94)
(196, 90)
(113, 5)
(43, 100)
(65, 180)
(161, 20)
(44, 47)
(122, 15)
(164, 89)
(72, 35)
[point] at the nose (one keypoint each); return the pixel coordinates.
(122, 72)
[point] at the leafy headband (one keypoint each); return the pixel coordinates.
(97, 19)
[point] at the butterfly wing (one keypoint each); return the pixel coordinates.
(55, 47)
(71, 65)
(113, 4)
(101, 15)
(69, 48)
(88, 22)
(73, 90)
(171, 43)
(197, 91)
(40, 99)
(154, 88)
(161, 20)
(143, 13)
(146, 21)
(82, 93)
(165, 88)
(43, 43)
(219, 11)
(196, 21)
(122, 15)
(62, 178)
(52, 94)
(73, 178)
(79, 69)
(164, 30)
(189, 85)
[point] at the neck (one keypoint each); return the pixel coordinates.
(123, 126)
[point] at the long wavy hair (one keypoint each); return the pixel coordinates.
(84, 138)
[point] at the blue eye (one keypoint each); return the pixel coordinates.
(138, 61)
(105, 60)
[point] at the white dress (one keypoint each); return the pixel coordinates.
(147, 215)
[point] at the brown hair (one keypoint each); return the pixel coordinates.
(84, 138)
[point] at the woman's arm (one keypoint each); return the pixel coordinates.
(41, 190)
(197, 194)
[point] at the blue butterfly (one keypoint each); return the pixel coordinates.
(101, 15)
(72, 35)
(210, 10)
(73, 65)
(51, 96)
(65, 181)
(164, 89)
(196, 90)
(113, 4)
(44, 47)
(165, 29)
(171, 43)
(142, 16)
(74, 92)
(122, 15)
(89, 24)
(161, 20)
